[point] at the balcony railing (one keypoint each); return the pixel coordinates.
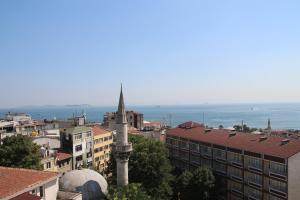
(124, 148)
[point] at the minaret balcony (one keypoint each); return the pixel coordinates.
(123, 148)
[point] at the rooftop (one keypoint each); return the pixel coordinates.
(98, 130)
(78, 129)
(27, 196)
(63, 155)
(271, 145)
(16, 181)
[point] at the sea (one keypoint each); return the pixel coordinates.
(282, 115)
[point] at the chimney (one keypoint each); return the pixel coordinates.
(262, 138)
(285, 141)
(207, 130)
(232, 134)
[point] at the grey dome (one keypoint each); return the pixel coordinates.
(90, 183)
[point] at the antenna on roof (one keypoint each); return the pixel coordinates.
(203, 117)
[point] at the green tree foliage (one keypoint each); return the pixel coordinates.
(132, 191)
(148, 165)
(198, 184)
(20, 151)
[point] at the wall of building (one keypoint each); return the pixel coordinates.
(64, 165)
(51, 190)
(101, 157)
(294, 177)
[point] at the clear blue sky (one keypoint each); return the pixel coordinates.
(164, 52)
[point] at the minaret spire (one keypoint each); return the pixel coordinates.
(121, 114)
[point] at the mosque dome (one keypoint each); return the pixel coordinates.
(89, 183)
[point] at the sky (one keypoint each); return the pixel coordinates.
(165, 52)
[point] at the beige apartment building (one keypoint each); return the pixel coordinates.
(254, 167)
(103, 140)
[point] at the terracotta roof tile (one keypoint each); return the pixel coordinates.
(14, 180)
(63, 155)
(27, 196)
(98, 130)
(271, 146)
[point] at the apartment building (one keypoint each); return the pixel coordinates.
(78, 141)
(254, 167)
(103, 140)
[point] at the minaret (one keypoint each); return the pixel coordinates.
(269, 124)
(121, 147)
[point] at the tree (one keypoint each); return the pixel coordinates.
(132, 191)
(198, 184)
(20, 151)
(148, 165)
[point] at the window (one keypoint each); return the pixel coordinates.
(184, 144)
(274, 198)
(89, 145)
(237, 187)
(105, 139)
(277, 168)
(205, 150)
(278, 185)
(256, 194)
(110, 137)
(255, 163)
(89, 155)
(78, 148)
(184, 155)
(78, 136)
(194, 147)
(255, 178)
(195, 158)
(219, 167)
(206, 163)
(48, 165)
(88, 134)
(41, 191)
(235, 173)
(97, 159)
(219, 154)
(235, 157)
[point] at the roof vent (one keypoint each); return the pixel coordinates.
(232, 134)
(262, 138)
(285, 141)
(207, 130)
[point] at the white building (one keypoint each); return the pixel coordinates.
(79, 142)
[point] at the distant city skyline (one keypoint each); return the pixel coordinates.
(164, 52)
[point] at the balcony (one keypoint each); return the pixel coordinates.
(277, 192)
(237, 164)
(254, 184)
(127, 148)
(236, 178)
(277, 175)
(255, 169)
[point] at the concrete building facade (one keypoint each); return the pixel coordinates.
(254, 167)
(79, 142)
(103, 140)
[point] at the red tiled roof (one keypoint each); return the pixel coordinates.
(27, 196)
(15, 180)
(271, 146)
(63, 155)
(98, 130)
(132, 130)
